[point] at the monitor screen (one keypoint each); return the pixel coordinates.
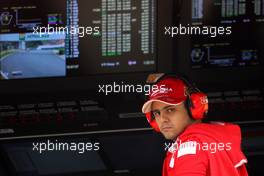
(243, 47)
(66, 38)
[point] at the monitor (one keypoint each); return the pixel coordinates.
(40, 39)
(243, 47)
(214, 61)
(56, 55)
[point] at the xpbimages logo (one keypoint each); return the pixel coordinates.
(130, 88)
(79, 147)
(212, 31)
(212, 147)
(73, 30)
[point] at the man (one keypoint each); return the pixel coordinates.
(176, 108)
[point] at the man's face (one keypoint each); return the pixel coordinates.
(171, 119)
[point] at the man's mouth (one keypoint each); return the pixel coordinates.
(166, 128)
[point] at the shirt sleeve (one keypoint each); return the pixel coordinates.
(190, 160)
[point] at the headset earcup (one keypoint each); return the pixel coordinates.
(152, 123)
(188, 106)
(199, 105)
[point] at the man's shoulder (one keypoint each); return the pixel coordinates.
(211, 128)
(210, 124)
(211, 132)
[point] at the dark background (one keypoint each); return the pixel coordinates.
(128, 145)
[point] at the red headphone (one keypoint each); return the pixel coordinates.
(196, 102)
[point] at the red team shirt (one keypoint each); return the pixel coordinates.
(206, 150)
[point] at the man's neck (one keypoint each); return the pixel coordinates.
(192, 122)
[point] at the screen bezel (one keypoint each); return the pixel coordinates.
(90, 82)
(211, 79)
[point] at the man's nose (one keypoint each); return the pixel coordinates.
(163, 117)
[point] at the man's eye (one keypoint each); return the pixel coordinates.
(170, 110)
(155, 114)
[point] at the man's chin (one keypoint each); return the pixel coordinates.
(169, 136)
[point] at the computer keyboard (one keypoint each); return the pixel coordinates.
(81, 115)
(58, 116)
(237, 105)
(68, 116)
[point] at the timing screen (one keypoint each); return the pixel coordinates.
(243, 48)
(76, 37)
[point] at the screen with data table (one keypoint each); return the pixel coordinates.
(242, 48)
(65, 38)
